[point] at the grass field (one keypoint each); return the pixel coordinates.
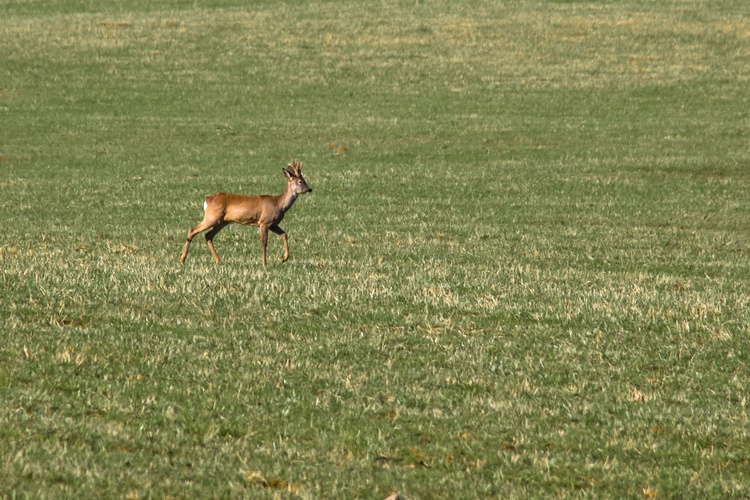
(523, 271)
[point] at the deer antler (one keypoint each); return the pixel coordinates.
(296, 168)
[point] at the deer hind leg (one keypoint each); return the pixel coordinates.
(210, 239)
(276, 229)
(208, 222)
(191, 234)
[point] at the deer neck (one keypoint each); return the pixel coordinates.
(287, 198)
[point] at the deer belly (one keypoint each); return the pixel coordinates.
(246, 217)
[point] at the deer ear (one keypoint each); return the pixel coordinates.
(287, 172)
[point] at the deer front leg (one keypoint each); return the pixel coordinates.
(264, 241)
(276, 229)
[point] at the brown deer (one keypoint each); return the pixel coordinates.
(264, 211)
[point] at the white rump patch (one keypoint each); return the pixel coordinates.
(205, 205)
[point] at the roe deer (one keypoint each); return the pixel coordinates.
(264, 211)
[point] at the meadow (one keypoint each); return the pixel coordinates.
(523, 271)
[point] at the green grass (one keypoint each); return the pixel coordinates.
(522, 273)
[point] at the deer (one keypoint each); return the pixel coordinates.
(263, 211)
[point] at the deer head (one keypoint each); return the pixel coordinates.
(295, 180)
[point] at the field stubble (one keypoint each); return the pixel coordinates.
(522, 271)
